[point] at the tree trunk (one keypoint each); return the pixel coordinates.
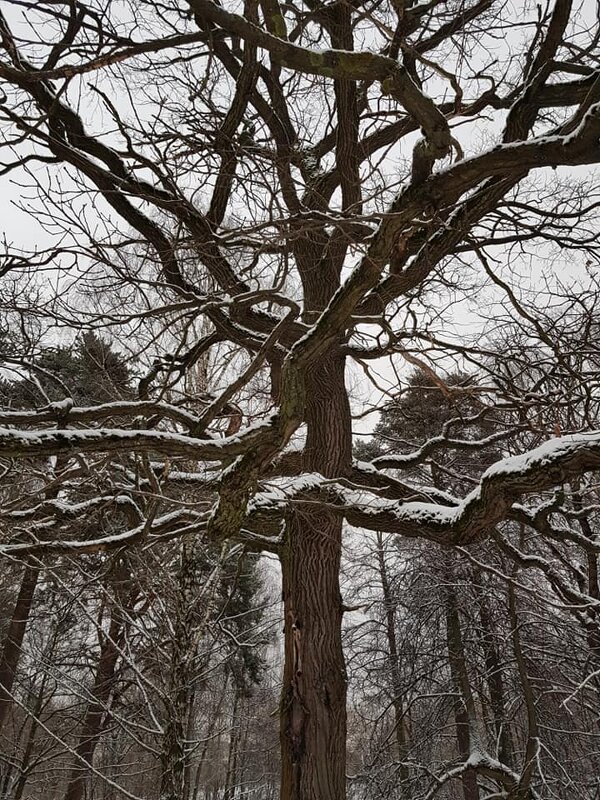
(18, 624)
(14, 639)
(173, 755)
(121, 606)
(213, 720)
(93, 723)
(313, 706)
(187, 628)
(28, 751)
(464, 709)
(593, 583)
(394, 664)
(523, 790)
(495, 683)
(233, 750)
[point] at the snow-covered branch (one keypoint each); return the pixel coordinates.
(504, 483)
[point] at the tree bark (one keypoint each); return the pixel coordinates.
(14, 639)
(188, 625)
(233, 750)
(174, 755)
(495, 683)
(523, 790)
(31, 736)
(213, 720)
(593, 583)
(313, 706)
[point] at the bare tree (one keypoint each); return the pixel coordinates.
(322, 185)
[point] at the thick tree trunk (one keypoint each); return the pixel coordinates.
(313, 707)
(14, 639)
(313, 730)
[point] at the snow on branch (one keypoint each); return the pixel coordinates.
(168, 526)
(436, 442)
(36, 444)
(549, 465)
(123, 408)
(448, 521)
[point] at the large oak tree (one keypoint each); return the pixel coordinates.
(293, 190)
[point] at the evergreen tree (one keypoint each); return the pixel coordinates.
(89, 371)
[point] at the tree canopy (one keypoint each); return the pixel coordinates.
(240, 229)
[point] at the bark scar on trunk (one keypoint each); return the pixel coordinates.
(298, 715)
(297, 636)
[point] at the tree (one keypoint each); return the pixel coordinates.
(466, 648)
(90, 373)
(321, 184)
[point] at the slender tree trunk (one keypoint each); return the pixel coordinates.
(214, 719)
(13, 640)
(93, 723)
(523, 790)
(593, 583)
(495, 683)
(394, 664)
(313, 706)
(173, 754)
(195, 692)
(28, 751)
(174, 749)
(464, 709)
(242, 765)
(232, 755)
(188, 626)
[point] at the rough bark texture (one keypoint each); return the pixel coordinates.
(313, 710)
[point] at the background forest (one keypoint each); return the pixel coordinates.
(299, 400)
